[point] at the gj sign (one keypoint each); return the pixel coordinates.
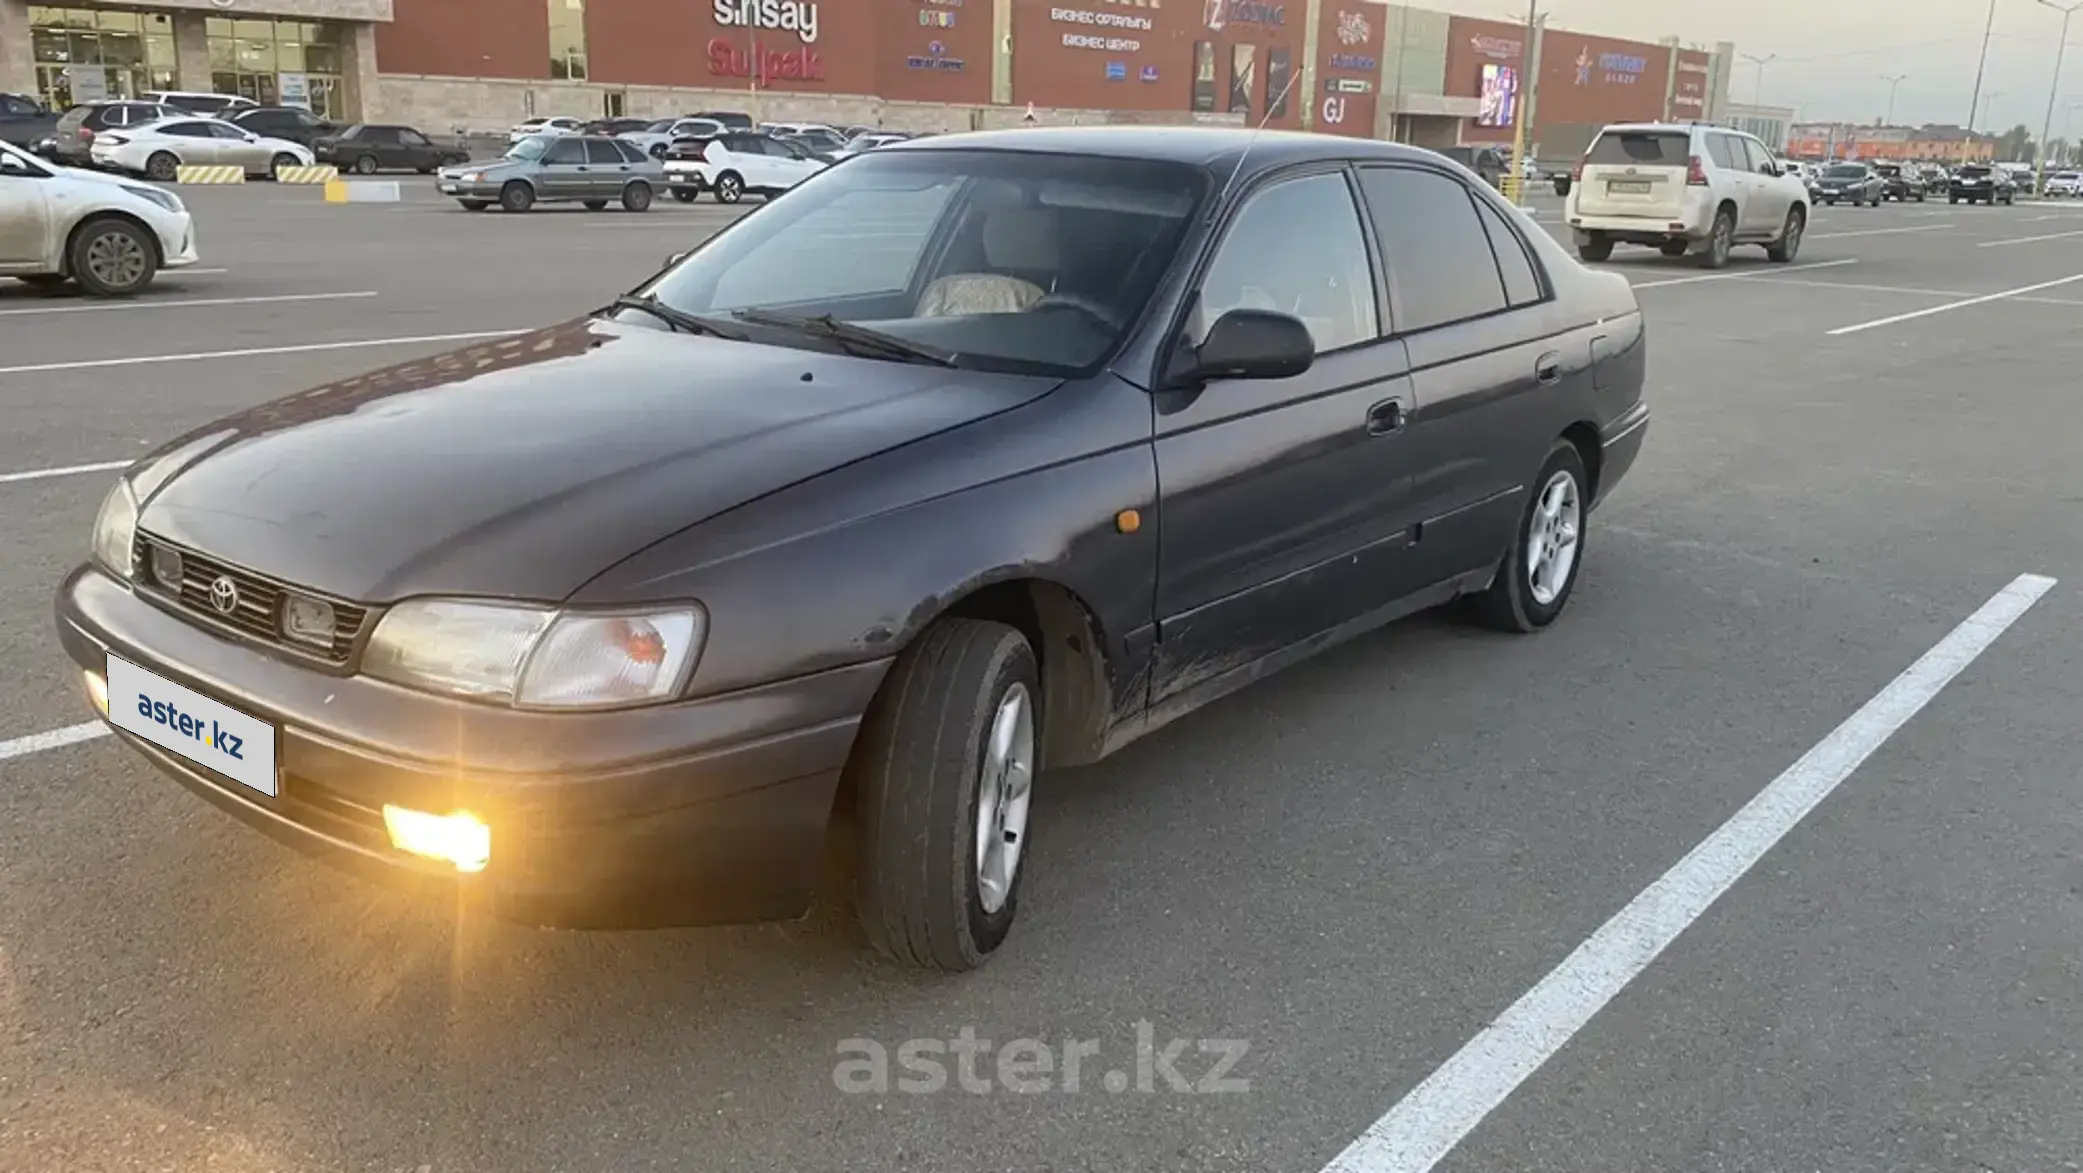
(793, 16)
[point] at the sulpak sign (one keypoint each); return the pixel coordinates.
(771, 59)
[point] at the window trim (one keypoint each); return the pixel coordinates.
(1168, 340)
(1540, 273)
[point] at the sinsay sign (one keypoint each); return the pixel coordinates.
(794, 16)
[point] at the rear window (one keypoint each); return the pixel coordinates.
(1974, 172)
(1845, 172)
(1640, 148)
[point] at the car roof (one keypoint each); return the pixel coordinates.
(1201, 146)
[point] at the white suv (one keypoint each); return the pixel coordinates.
(1684, 189)
(731, 165)
(2065, 183)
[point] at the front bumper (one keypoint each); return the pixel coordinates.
(478, 190)
(702, 812)
(177, 240)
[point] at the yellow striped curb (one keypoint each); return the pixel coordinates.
(322, 173)
(212, 173)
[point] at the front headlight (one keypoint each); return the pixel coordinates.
(164, 199)
(115, 530)
(533, 657)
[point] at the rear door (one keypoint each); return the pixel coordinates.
(564, 169)
(1638, 173)
(606, 169)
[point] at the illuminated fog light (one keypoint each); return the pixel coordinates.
(167, 568)
(460, 838)
(308, 621)
(97, 692)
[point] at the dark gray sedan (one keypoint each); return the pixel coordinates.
(589, 169)
(964, 460)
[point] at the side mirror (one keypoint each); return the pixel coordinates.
(1254, 344)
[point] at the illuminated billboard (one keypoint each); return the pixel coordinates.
(1500, 96)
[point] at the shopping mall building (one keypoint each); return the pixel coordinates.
(1342, 66)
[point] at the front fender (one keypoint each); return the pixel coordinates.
(852, 565)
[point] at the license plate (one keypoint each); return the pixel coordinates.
(1628, 186)
(209, 733)
(449, 188)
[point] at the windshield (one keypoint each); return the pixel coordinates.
(1974, 172)
(1006, 260)
(1844, 172)
(528, 148)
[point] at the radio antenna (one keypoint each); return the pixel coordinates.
(1273, 103)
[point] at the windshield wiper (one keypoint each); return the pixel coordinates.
(679, 320)
(854, 339)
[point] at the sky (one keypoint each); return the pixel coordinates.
(1830, 56)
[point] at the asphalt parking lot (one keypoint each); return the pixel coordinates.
(1327, 885)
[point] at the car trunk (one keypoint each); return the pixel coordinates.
(1635, 173)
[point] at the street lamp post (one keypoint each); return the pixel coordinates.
(1974, 104)
(2068, 10)
(1515, 182)
(1893, 83)
(1757, 96)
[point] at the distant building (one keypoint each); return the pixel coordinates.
(1928, 144)
(1768, 123)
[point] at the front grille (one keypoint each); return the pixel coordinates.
(258, 613)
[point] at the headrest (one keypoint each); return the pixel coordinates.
(1022, 241)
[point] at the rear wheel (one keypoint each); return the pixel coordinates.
(1788, 246)
(366, 165)
(163, 166)
(516, 196)
(1538, 573)
(944, 769)
(1720, 239)
(637, 197)
(276, 164)
(1595, 249)
(112, 258)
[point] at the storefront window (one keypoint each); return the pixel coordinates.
(1204, 75)
(277, 61)
(568, 39)
(1242, 58)
(1277, 82)
(82, 55)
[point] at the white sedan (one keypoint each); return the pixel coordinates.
(158, 150)
(529, 128)
(109, 234)
(2067, 184)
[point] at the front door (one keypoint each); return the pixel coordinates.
(25, 218)
(1770, 197)
(235, 146)
(1286, 503)
(564, 168)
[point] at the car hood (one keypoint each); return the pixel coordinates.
(523, 467)
(499, 164)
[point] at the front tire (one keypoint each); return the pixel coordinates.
(1534, 582)
(729, 188)
(366, 165)
(112, 258)
(516, 196)
(944, 772)
(637, 197)
(276, 164)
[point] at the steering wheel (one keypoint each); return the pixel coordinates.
(1085, 305)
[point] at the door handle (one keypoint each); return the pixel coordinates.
(1386, 417)
(1547, 371)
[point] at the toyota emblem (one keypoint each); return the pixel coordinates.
(224, 595)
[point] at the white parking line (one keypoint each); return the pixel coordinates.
(1954, 305)
(2028, 239)
(1435, 1116)
(111, 307)
(254, 352)
(40, 474)
(1712, 276)
(52, 739)
(1908, 290)
(1877, 231)
(195, 272)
